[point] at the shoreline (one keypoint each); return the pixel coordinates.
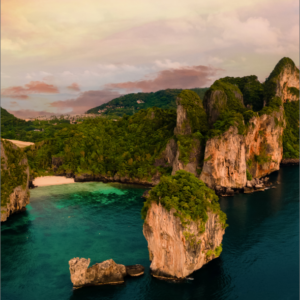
(51, 180)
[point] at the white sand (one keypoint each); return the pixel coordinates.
(52, 180)
(21, 144)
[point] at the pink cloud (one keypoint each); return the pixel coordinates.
(185, 77)
(86, 101)
(74, 87)
(33, 87)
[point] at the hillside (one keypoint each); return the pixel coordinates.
(13, 128)
(128, 104)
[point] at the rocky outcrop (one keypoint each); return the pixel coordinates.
(14, 180)
(176, 251)
(290, 162)
(256, 185)
(287, 82)
(224, 161)
(264, 144)
(135, 270)
(107, 272)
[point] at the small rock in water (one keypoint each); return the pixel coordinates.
(135, 270)
(107, 272)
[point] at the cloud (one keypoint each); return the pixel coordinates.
(184, 77)
(86, 101)
(74, 87)
(33, 87)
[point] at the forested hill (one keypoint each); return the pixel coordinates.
(131, 103)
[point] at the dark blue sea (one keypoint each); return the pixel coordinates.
(260, 258)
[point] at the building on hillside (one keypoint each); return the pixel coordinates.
(140, 101)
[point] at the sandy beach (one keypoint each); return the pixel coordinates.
(20, 144)
(52, 180)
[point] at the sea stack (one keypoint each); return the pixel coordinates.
(183, 226)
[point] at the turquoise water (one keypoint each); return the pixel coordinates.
(260, 258)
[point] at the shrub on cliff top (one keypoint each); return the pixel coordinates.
(188, 195)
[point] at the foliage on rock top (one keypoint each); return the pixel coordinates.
(188, 195)
(13, 170)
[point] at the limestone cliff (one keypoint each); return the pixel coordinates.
(183, 226)
(224, 160)
(14, 180)
(259, 151)
(263, 143)
(171, 249)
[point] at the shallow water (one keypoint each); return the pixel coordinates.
(260, 258)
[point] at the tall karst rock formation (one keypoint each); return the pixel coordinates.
(183, 226)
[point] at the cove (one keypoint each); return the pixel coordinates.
(260, 258)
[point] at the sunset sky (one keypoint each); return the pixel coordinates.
(67, 56)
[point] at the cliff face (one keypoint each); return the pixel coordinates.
(224, 161)
(175, 251)
(14, 180)
(264, 144)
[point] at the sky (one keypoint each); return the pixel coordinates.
(67, 56)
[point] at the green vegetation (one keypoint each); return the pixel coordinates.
(294, 91)
(186, 143)
(249, 176)
(189, 196)
(291, 132)
(226, 120)
(252, 90)
(274, 105)
(127, 104)
(13, 173)
(127, 147)
(216, 252)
